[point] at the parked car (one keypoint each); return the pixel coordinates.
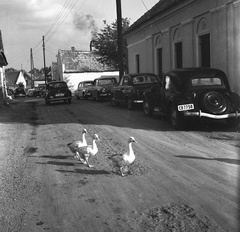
(38, 92)
(101, 89)
(131, 87)
(193, 93)
(83, 90)
(57, 91)
(19, 92)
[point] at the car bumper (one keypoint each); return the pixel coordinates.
(201, 114)
(138, 101)
(59, 99)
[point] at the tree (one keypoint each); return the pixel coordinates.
(105, 43)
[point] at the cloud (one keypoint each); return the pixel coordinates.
(84, 22)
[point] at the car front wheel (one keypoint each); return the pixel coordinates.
(130, 104)
(146, 108)
(176, 119)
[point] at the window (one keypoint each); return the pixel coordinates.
(178, 54)
(204, 50)
(125, 81)
(137, 62)
(159, 61)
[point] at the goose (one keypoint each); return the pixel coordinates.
(87, 151)
(76, 144)
(124, 160)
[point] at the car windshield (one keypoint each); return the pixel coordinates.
(145, 79)
(58, 85)
(206, 81)
(87, 84)
(106, 82)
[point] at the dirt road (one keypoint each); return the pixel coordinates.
(180, 181)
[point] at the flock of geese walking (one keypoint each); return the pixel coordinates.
(82, 151)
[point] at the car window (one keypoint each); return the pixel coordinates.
(106, 81)
(125, 81)
(145, 79)
(167, 82)
(206, 81)
(87, 84)
(57, 85)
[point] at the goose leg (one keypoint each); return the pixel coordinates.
(121, 171)
(89, 165)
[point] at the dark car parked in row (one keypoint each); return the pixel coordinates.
(19, 92)
(101, 89)
(57, 91)
(193, 93)
(131, 87)
(83, 90)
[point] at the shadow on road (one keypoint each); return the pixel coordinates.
(224, 160)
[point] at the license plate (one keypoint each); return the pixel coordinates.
(59, 94)
(185, 107)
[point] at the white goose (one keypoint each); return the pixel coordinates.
(73, 146)
(124, 160)
(87, 151)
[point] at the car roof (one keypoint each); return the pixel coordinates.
(184, 74)
(139, 74)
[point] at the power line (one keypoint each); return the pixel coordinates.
(144, 4)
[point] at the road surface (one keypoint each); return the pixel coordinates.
(180, 181)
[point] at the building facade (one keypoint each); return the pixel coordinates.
(187, 33)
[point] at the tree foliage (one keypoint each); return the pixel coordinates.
(106, 44)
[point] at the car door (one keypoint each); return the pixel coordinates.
(166, 92)
(118, 91)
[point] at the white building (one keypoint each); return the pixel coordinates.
(187, 33)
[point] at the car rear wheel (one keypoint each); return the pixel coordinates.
(47, 102)
(176, 118)
(233, 122)
(113, 101)
(146, 108)
(214, 102)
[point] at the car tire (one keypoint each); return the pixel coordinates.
(113, 101)
(146, 108)
(176, 118)
(233, 122)
(47, 102)
(214, 102)
(130, 104)
(69, 101)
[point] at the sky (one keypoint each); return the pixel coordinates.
(62, 23)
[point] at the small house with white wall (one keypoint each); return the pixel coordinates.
(74, 66)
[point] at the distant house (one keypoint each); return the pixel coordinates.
(40, 79)
(14, 78)
(3, 63)
(187, 33)
(74, 66)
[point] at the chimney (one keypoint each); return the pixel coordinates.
(73, 49)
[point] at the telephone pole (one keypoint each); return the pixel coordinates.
(31, 67)
(44, 62)
(120, 38)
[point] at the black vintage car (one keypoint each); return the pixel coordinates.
(130, 90)
(193, 93)
(57, 91)
(19, 92)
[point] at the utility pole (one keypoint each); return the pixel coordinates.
(44, 62)
(31, 67)
(120, 38)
